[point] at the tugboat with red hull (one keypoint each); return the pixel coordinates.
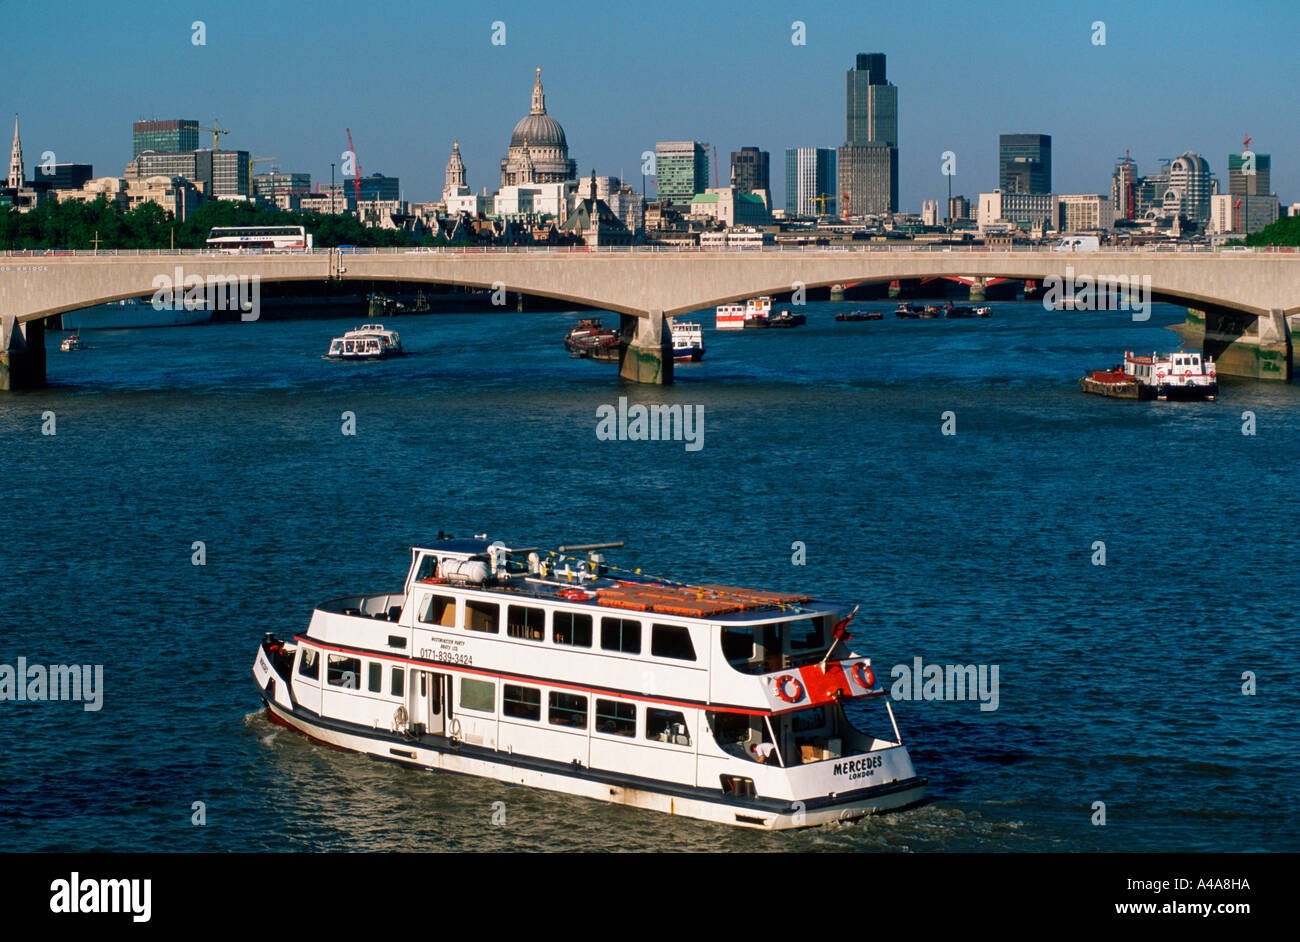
(1183, 376)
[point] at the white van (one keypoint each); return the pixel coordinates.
(1078, 244)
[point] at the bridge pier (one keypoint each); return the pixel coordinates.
(977, 289)
(22, 354)
(645, 352)
(1241, 343)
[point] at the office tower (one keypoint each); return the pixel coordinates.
(1025, 163)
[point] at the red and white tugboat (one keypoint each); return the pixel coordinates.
(1180, 376)
(592, 340)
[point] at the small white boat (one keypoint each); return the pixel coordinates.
(72, 342)
(688, 341)
(367, 342)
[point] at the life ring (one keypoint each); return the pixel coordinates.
(864, 675)
(575, 595)
(780, 688)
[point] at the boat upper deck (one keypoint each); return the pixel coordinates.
(560, 577)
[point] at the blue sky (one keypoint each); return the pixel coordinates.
(408, 77)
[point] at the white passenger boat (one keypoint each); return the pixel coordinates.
(367, 342)
(688, 340)
(71, 343)
(734, 316)
(541, 668)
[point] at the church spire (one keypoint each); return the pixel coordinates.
(16, 171)
(539, 97)
(455, 179)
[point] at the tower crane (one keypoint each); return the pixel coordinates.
(216, 130)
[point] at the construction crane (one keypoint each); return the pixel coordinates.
(216, 130)
(356, 166)
(255, 160)
(715, 166)
(1236, 212)
(821, 201)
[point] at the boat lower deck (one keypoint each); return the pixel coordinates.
(441, 753)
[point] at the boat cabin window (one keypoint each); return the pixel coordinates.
(439, 610)
(524, 703)
(568, 709)
(376, 684)
(805, 634)
(620, 634)
(666, 726)
(343, 671)
(745, 736)
(524, 622)
(766, 648)
(482, 616)
(428, 567)
(398, 686)
(573, 628)
(308, 666)
(478, 695)
(615, 718)
(812, 735)
(672, 641)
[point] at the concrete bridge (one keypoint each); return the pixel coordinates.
(1242, 304)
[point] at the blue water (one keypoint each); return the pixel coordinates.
(1119, 683)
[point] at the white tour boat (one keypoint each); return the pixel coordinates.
(367, 342)
(540, 668)
(734, 316)
(688, 340)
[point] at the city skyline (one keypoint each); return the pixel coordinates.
(405, 118)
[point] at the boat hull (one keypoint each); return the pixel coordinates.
(438, 753)
(1134, 390)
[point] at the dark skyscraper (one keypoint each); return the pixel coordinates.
(1025, 163)
(750, 170)
(164, 137)
(868, 159)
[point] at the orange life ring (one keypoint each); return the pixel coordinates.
(780, 688)
(864, 675)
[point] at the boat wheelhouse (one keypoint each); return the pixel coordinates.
(543, 668)
(367, 342)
